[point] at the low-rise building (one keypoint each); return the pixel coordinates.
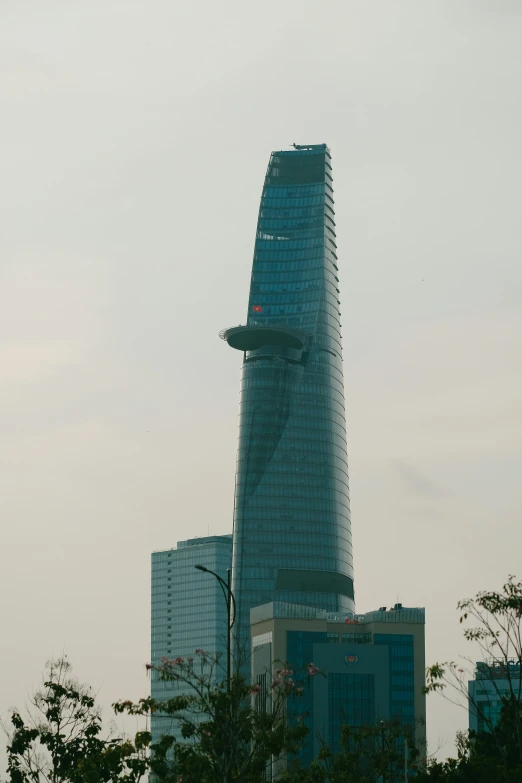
(372, 666)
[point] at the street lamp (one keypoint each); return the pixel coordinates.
(229, 598)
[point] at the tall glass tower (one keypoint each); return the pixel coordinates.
(188, 611)
(292, 538)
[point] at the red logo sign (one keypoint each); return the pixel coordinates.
(258, 309)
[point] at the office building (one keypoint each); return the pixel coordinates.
(292, 538)
(493, 682)
(372, 666)
(188, 609)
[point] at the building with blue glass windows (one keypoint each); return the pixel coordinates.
(372, 667)
(188, 611)
(495, 681)
(292, 538)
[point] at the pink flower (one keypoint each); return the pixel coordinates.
(255, 689)
(312, 670)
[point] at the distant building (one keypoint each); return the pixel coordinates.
(374, 666)
(292, 536)
(188, 609)
(494, 681)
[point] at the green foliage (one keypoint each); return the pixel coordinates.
(496, 753)
(367, 754)
(234, 731)
(59, 740)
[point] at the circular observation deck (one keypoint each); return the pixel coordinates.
(250, 338)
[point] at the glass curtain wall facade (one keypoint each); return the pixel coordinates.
(292, 538)
(188, 611)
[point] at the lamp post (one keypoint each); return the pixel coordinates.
(229, 598)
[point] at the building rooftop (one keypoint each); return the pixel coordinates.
(196, 542)
(277, 610)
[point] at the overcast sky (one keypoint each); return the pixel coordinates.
(134, 141)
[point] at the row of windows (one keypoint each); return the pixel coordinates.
(286, 308)
(281, 309)
(280, 495)
(303, 302)
(297, 559)
(264, 498)
(301, 484)
(348, 638)
(297, 421)
(302, 408)
(318, 272)
(316, 318)
(402, 679)
(315, 283)
(321, 383)
(402, 666)
(261, 430)
(291, 236)
(283, 475)
(320, 315)
(257, 455)
(330, 439)
(263, 423)
(293, 191)
(292, 203)
(290, 377)
(398, 638)
(281, 462)
(321, 285)
(302, 223)
(327, 518)
(320, 386)
(301, 212)
(266, 507)
(313, 229)
(291, 244)
(302, 258)
(288, 458)
(338, 536)
(402, 695)
(254, 393)
(276, 296)
(288, 230)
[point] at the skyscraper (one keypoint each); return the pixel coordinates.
(292, 539)
(188, 611)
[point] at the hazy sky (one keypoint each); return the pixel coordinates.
(135, 138)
